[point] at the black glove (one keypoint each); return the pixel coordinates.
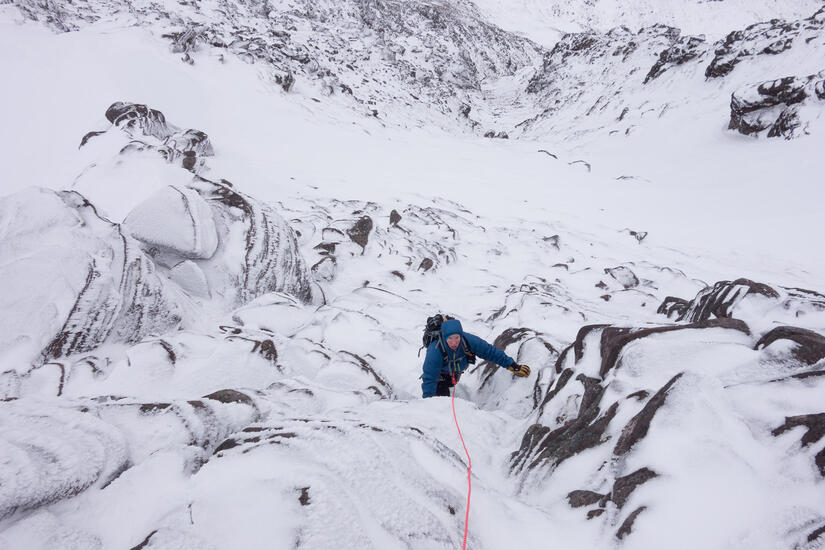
(519, 370)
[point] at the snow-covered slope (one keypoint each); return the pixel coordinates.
(538, 19)
(214, 289)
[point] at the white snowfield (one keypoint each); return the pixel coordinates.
(211, 313)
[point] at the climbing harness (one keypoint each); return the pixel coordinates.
(469, 467)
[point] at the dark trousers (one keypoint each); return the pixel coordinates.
(444, 385)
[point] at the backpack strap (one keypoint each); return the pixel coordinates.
(471, 357)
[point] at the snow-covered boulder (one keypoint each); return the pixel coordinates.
(175, 219)
(204, 235)
(74, 279)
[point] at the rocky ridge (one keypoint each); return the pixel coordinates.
(429, 62)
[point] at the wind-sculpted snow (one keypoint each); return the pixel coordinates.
(50, 453)
(54, 452)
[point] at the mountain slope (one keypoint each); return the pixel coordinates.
(290, 249)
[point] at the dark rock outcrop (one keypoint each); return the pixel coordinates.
(673, 306)
(359, 233)
(775, 105)
(680, 52)
(627, 525)
(815, 423)
(580, 498)
(542, 445)
(811, 344)
(719, 300)
(722, 299)
(625, 485)
(187, 148)
(614, 339)
(638, 426)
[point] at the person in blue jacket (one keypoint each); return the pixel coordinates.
(449, 356)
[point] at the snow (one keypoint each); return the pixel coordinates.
(330, 445)
(177, 219)
(544, 21)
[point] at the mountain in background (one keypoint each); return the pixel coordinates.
(223, 224)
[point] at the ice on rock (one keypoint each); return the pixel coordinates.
(176, 219)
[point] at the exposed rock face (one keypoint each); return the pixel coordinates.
(680, 52)
(724, 298)
(776, 105)
(591, 392)
(811, 345)
(638, 426)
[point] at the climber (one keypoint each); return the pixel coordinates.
(452, 351)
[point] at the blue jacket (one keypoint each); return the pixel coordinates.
(436, 366)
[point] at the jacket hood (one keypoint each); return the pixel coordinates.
(448, 328)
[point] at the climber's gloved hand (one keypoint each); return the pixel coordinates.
(519, 370)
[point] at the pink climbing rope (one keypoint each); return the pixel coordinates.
(469, 471)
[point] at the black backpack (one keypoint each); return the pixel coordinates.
(432, 333)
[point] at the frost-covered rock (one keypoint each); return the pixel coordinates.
(258, 250)
(74, 279)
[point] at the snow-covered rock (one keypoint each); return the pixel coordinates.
(176, 220)
(783, 107)
(76, 280)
